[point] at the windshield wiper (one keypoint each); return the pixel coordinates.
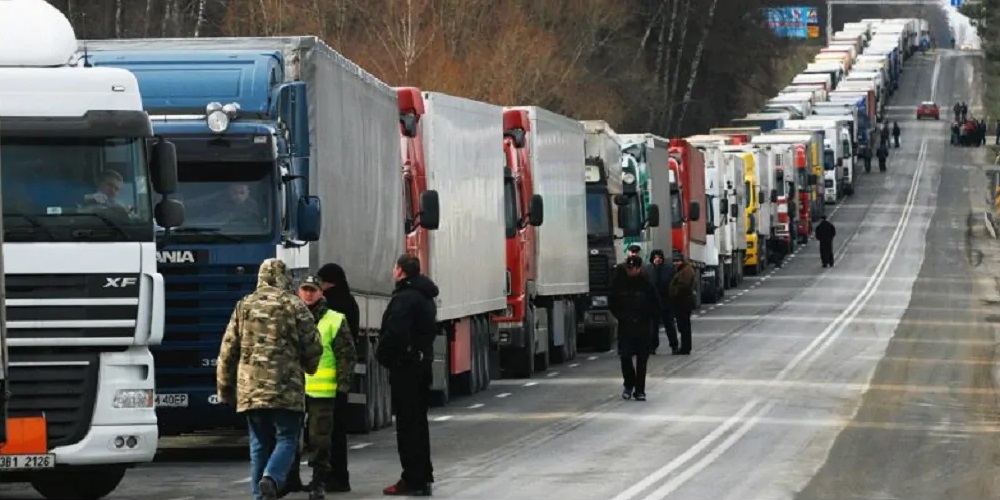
(205, 230)
(110, 223)
(34, 223)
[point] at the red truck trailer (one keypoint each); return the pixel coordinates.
(687, 194)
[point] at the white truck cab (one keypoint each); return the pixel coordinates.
(83, 298)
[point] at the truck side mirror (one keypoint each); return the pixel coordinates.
(169, 213)
(536, 210)
(774, 196)
(164, 171)
(308, 220)
(627, 219)
(621, 200)
(429, 216)
(694, 211)
(653, 215)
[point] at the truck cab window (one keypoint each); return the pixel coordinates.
(68, 184)
(598, 214)
(676, 208)
(750, 194)
(409, 204)
(510, 202)
(225, 199)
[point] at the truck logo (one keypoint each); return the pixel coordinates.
(175, 257)
(120, 282)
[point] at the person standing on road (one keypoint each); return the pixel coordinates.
(322, 388)
(882, 153)
(663, 271)
(635, 304)
(647, 268)
(825, 232)
(337, 293)
(682, 286)
(406, 348)
(271, 342)
(958, 111)
(895, 133)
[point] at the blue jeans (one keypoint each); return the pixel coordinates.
(272, 429)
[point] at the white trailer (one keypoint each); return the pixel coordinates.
(82, 382)
(833, 174)
(721, 255)
(467, 256)
(561, 285)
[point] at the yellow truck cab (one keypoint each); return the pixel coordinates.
(754, 259)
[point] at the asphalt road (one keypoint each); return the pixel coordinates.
(870, 380)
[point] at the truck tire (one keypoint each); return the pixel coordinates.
(83, 483)
(521, 363)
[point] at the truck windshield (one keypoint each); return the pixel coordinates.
(829, 160)
(598, 214)
(75, 189)
(225, 199)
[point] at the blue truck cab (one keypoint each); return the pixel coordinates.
(241, 131)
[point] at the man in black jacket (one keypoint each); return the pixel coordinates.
(635, 304)
(825, 232)
(406, 348)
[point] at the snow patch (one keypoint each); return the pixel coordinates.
(961, 27)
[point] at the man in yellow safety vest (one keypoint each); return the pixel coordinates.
(321, 387)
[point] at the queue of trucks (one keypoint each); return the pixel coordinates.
(229, 151)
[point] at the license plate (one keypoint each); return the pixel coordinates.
(172, 400)
(23, 462)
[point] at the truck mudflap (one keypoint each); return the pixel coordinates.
(712, 286)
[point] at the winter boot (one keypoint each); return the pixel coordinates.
(317, 488)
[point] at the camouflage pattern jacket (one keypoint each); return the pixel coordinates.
(343, 347)
(270, 344)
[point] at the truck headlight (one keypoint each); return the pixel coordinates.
(599, 301)
(133, 398)
(217, 121)
(628, 178)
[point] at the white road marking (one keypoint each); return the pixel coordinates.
(360, 446)
(442, 418)
(591, 358)
(503, 395)
(574, 365)
(552, 374)
(934, 78)
(527, 384)
(477, 405)
(242, 481)
(810, 353)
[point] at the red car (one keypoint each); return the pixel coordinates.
(928, 109)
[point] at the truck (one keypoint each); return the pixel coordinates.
(83, 298)
(687, 194)
(755, 260)
(797, 173)
(767, 198)
(824, 79)
(838, 164)
(639, 155)
(558, 287)
(765, 121)
(603, 178)
(815, 159)
(648, 153)
(449, 150)
(780, 158)
(297, 118)
(723, 259)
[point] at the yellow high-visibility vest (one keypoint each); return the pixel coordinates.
(323, 384)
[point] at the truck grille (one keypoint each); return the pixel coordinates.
(599, 271)
(199, 302)
(61, 383)
(78, 306)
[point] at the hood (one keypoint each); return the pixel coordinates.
(333, 273)
(654, 253)
(422, 284)
(274, 273)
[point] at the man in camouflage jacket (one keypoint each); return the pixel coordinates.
(270, 343)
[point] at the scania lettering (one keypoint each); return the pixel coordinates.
(80, 164)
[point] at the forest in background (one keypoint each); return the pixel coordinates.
(671, 67)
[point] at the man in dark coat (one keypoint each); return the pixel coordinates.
(825, 232)
(406, 348)
(337, 293)
(682, 287)
(635, 304)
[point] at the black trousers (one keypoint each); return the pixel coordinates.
(826, 252)
(634, 376)
(338, 448)
(410, 386)
(666, 318)
(683, 317)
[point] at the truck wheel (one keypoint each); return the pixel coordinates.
(85, 483)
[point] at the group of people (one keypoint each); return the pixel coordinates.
(967, 130)
(882, 150)
(644, 296)
(286, 363)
